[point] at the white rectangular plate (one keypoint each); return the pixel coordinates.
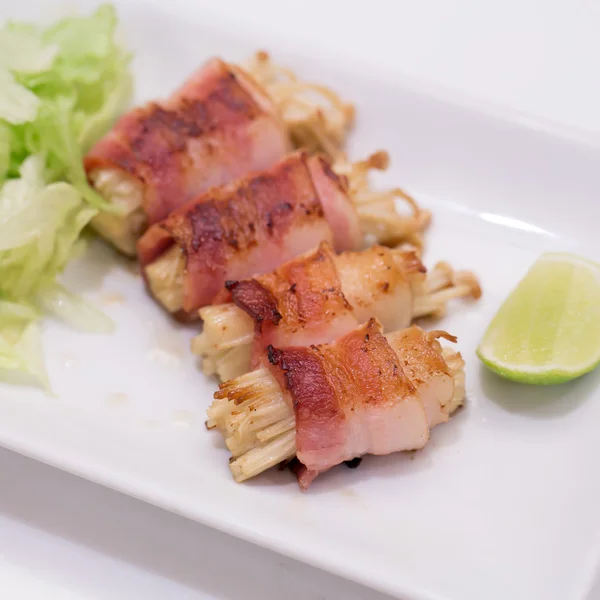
(503, 501)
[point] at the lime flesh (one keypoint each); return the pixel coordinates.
(548, 329)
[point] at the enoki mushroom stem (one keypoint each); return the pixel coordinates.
(377, 209)
(258, 423)
(165, 278)
(441, 286)
(317, 118)
(125, 193)
(225, 345)
(456, 364)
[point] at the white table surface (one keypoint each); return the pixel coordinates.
(63, 537)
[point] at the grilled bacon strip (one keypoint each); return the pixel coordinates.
(366, 393)
(252, 226)
(238, 230)
(319, 296)
(218, 126)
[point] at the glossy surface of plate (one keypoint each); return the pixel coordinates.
(502, 502)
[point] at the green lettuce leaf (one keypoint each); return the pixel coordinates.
(20, 342)
(21, 356)
(24, 51)
(39, 223)
(61, 88)
(17, 103)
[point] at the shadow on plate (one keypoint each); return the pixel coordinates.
(538, 401)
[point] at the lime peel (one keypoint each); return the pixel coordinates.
(548, 329)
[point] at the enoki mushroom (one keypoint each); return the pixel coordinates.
(316, 117)
(441, 286)
(259, 424)
(126, 194)
(225, 345)
(377, 209)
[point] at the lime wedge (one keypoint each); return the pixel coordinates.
(548, 329)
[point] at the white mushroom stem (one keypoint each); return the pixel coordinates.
(456, 364)
(225, 344)
(165, 278)
(125, 193)
(316, 117)
(377, 210)
(442, 286)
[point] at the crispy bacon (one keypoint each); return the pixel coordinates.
(366, 393)
(245, 228)
(384, 283)
(421, 359)
(319, 296)
(339, 209)
(217, 127)
(350, 398)
(299, 303)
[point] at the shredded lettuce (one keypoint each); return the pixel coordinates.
(23, 51)
(39, 223)
(61, 88)
(73, 310)
(17, 104)
(21, 357)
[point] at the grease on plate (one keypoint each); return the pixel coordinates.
(183, 418)
(164, 357)
(116, 398)
(113, 298)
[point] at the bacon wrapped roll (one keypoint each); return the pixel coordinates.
(220, 125)
(252, 226)
(366, 393)
(319, 296)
